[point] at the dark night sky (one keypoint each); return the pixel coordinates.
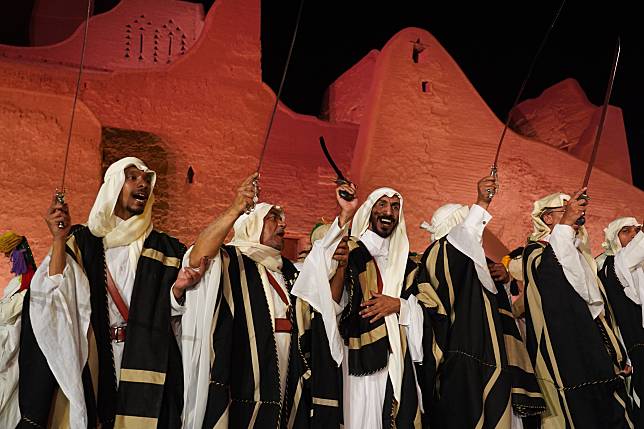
(493, 43)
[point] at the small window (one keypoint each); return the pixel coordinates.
(418, 52)
(190, 175)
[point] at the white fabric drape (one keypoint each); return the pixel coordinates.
(444, 219)
(629, 267)
(467, 238)
(60, 311)
(579, 269)
(10, 322)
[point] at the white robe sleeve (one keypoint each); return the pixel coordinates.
(411, 317)
(10, 321)
(467, 238)
(176, 309)
(196, 341)
(312, 285)
(60, 310)
(581, 278)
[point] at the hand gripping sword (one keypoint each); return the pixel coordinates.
(600, 127)
(277, 100)
(60, 192)
(494, 168)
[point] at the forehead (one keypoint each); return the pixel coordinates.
(275, 211)
(629, 227)
(133, 170)
(390, 200)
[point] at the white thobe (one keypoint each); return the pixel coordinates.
(282, 339)
(118, 263)
(364, 396)
(10, 321)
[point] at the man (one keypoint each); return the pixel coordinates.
(97, 344)
(474, 373)
(379, 331)
(622, 275)
(245, 361)
(570, 332)
(23, 267)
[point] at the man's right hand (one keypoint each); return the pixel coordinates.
(57, 213)
(486, 187)
(575, 208)
(245, 193)
(347, 208)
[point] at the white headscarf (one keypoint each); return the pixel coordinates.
(444, 219)
(393, 275)
(552, 201)
(103, 223)
(541, 230)
(611, 240)
(248, 233)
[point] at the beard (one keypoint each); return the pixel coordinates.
(383, 225)
(135, 211)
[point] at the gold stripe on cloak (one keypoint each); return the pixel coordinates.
(168, 261)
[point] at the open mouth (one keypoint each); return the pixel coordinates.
(385, 221)
(141, 197)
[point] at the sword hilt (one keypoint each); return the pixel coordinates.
(582, 219)
(345, 195)
(492, 192)
(60, 198)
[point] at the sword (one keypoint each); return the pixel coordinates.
(341, 180)
(600, 126)
(277, 100)
(60, 193)
(494, 168)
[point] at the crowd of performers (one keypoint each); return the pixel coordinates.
(123, 326)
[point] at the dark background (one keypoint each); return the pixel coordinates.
(493, 42)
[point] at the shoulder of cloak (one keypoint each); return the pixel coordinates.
(82, 243)
(359, 255)
(169, 245)
(532, 257)
(607, 269)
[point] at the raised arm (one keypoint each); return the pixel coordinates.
(211, 238)
(58, 214)
(347, 210)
